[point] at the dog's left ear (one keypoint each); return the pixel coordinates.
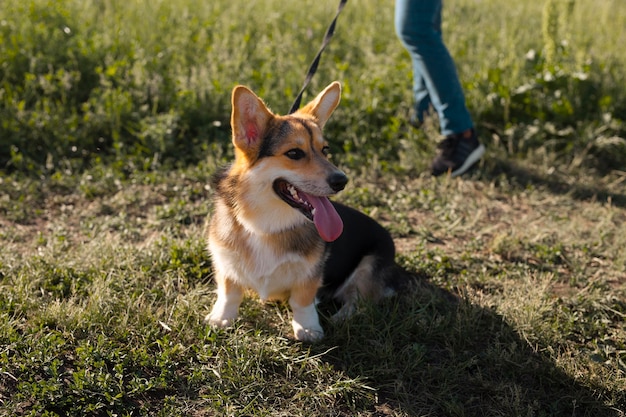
(324, 104)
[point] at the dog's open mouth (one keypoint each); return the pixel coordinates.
(317, 209)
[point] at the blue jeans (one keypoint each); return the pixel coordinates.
(435, 79)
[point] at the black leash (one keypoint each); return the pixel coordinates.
(316, 61)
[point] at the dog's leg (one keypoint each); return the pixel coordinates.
(225, 309)
(365, 282)
(306, 324)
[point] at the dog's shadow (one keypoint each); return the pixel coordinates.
(433, 353)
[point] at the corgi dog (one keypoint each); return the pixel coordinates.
(273, 229)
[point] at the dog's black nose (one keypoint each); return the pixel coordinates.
(337, 181)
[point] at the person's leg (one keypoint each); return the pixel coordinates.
(418, 25)
(422, 99)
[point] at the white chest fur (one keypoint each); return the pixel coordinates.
(260, 267)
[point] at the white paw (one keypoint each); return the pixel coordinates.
(308, 335)
(218, 321)
(224, 311)
(306, 324)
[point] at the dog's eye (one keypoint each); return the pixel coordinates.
(295, 154)
(326, 150)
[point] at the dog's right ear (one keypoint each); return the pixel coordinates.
(249, 120)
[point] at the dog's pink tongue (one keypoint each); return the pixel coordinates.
(327, 221)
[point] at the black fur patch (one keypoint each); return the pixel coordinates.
(273, 137)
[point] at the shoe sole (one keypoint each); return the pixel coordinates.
(470, 161)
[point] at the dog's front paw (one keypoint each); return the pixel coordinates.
(221, 317)
(308, 334)
(306, 324)
(218, 321)
(225, 309)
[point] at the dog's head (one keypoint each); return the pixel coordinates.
(284, 160)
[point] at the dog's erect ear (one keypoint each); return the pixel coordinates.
(248, 120)
(324, 104)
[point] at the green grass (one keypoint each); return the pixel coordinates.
(146, 85)
(114, 115)
(517, 309)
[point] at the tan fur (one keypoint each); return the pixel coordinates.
(361, 284)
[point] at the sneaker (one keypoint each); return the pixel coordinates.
(457, 154)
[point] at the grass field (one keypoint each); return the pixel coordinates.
(114, 115)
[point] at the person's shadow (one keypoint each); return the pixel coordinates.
(436, 354)
(523, 177)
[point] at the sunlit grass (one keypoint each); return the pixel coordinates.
(148, 84)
